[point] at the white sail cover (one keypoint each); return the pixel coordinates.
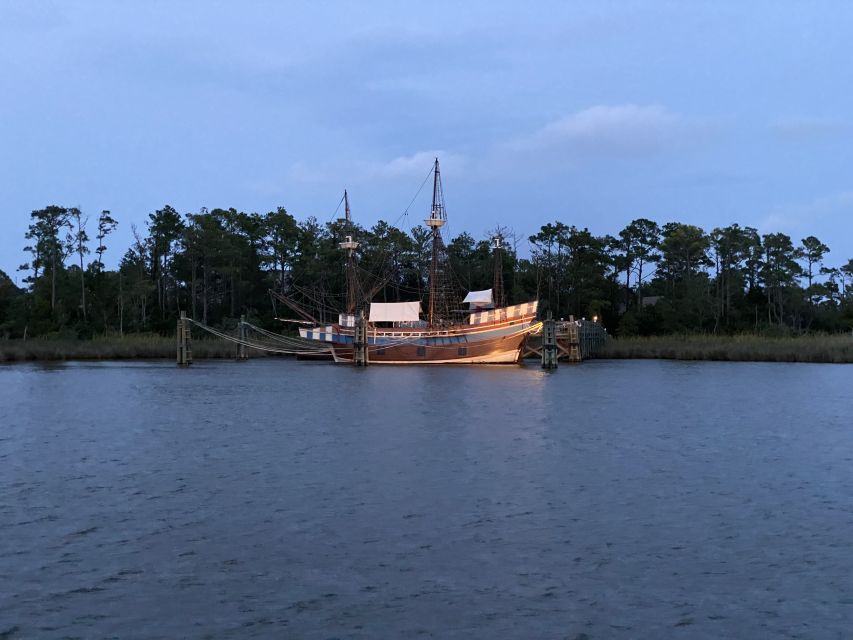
(479, 298)
(395, 311)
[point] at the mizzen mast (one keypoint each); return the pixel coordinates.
(349, 245)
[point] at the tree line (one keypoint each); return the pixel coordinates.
(220, 264)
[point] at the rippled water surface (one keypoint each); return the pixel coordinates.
(305, 500)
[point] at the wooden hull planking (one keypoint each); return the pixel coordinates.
(503, 350)
(496, 337)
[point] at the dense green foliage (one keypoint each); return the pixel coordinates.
(222, 263)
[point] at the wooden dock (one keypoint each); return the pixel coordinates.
(564, 341)
(577, 340)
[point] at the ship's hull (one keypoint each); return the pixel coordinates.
(504, 350)
(495, 337)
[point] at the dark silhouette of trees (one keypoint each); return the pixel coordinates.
(636, 247)
(219, 264)
(49, 249)
(76, 240)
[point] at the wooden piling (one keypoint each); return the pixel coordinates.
(242, 334)
(359, 346)
(549, 343)
(184, 346)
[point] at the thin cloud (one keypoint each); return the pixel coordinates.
(302, 173)
(613, 129)
(417, 163)
(810, 129)
(801, 217)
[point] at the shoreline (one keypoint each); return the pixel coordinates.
(826, 349)
(830, 349)
(131, 347)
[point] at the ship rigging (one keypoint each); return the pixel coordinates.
(486, 332)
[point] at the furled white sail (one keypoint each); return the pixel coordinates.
(395, 311)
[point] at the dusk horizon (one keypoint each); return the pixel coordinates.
(593, 114)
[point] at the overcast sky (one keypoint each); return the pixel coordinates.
(593, 113)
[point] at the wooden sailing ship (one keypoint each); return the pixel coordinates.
(486, 332)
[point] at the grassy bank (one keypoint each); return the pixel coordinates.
(818, 348)
(109, 348)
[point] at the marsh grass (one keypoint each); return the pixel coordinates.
(110, 348)
(812, 348)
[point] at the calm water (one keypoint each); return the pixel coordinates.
(297, 500)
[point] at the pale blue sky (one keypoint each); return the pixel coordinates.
(593, 113)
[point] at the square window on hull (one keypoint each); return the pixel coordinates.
(421, 351)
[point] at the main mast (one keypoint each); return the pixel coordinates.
(350, 246)
(435, 221)
(498, 282)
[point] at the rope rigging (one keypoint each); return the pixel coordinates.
(290, 346)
